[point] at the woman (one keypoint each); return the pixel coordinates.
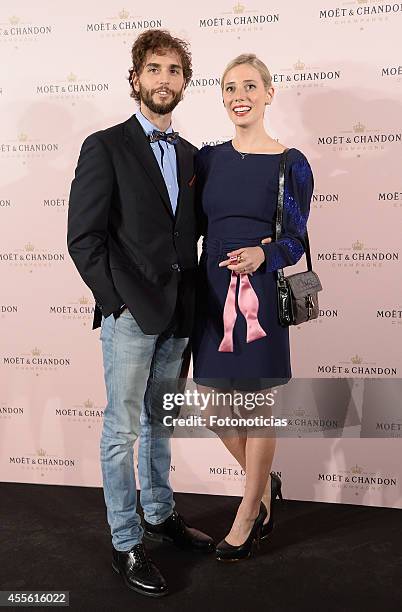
(237, 189)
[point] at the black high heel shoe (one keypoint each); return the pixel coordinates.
(276, 491)
(227, 552)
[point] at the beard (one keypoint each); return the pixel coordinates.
(159, 108)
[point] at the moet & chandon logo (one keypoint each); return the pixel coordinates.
(392, 72)
(123, 24)
(87, 412)
(231, 472)
(393, 198)
(358, 256)
(360, 138)
(325, 201)
(301, 75)
(356, 366)
(26, 147)
(359, 12)
(200, 84)
(43, 461)
(57, 204)
(31, 258)
(79, 310)
(15, 30)
(72, 87)
(7, 310)
(10, 412)
(36, 361)
(302, 422)
(357, 479)
(238, 19)
(392, 428)
(392, 316)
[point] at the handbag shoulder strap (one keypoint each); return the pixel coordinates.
(279, 211)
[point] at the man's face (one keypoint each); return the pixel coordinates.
(161, 82)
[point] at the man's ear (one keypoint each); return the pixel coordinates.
(135, 82)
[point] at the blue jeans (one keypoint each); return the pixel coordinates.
(135, 368)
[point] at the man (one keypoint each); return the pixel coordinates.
(132, 236)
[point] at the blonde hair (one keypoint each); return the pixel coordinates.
(252, 60)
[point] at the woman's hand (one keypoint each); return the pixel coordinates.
(246, 260)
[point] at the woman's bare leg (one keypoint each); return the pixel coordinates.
(233, 438)
(236, 445)
(259, 453)
(255, 455)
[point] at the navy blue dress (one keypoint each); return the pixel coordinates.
(236, 204)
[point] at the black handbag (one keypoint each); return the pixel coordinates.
(297, 293)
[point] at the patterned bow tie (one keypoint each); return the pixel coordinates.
(171, 138)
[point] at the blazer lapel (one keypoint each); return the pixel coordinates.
(183, 173)
(138, 144)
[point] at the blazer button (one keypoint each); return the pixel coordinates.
(176, 234)
(176, 266)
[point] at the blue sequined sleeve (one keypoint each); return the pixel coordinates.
(299, 186)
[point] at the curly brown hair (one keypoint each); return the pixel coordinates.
(158, 41)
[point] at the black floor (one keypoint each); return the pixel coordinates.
(321, 557)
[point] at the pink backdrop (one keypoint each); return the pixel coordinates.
(338, 99)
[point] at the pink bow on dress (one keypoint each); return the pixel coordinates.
(248, 305)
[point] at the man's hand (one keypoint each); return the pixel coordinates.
(246, 260)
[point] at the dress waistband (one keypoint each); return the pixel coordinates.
(220, 246)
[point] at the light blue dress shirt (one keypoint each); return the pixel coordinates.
(165, 154)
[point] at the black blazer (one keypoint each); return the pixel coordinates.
(126, 243)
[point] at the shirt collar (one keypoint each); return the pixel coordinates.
(147, 126)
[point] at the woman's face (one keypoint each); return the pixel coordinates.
(244, 95)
